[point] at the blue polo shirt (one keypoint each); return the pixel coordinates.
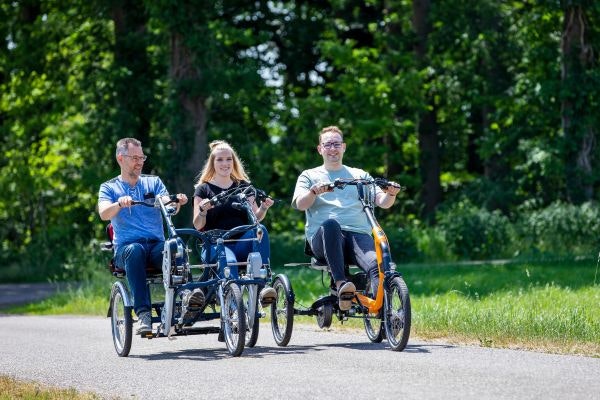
(136, 223)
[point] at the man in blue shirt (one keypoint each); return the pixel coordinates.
(337, 229)
(138, 231)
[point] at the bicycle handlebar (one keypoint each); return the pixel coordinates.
(381, 182)
(152, 202)
(246, 190)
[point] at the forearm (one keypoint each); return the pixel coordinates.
(261, 213)
(199, 220)
(305, 201)
(108, 210)
(385, 200)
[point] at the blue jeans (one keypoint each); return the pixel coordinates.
(133, 258)
(238, 251)
(338, 248)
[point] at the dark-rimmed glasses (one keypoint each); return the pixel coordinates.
(330, 145)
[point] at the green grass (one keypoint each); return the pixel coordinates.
(11, 389)
(548, 306)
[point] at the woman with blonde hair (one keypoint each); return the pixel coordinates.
(222, 171)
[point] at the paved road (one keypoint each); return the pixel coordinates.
(12, 294)
(78, 352)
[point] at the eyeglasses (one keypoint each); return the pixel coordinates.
(330, 145)
(137, 158)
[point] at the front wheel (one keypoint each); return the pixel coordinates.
(397, 314)
(373, 323)
(250, 298)
(121, 321)
(282, 311)
(234, 323)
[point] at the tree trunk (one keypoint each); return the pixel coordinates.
(190, 144)
(429, 146)
(580, 136)
(134, 94)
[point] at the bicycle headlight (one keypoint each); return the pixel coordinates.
(227, 272)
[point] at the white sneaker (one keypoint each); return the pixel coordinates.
(144, 323)
(268, 295)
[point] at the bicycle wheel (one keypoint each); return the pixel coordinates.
(397, 312)
(121, 321)
(325, 315)
(250, 300)
(234, 324)
(282, 311)
(373, 323)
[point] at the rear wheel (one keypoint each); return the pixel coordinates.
(234, 323)
(373, 322)
(121, 321)
(282, 311)
(250, 300)
(397, 312)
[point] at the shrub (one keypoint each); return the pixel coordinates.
(561, 229)
(475, 233)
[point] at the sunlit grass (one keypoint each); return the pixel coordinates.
(11, 389)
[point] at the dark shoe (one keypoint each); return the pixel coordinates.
(346, 293)
(267, 296)
(145, 323)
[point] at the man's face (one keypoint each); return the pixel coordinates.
(332, 148)
(133, 162)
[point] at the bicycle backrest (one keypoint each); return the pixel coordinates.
(108, 245)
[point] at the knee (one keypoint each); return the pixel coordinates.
(265, 232)
(331, 225)
(134, 251)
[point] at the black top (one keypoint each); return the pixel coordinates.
(222, 216)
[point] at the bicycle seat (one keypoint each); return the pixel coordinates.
(319, 265)
(112, 267)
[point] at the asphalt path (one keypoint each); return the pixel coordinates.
(77, 352)
(13, 294)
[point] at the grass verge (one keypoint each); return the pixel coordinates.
(11, 389)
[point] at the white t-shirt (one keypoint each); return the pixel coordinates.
(341, 205)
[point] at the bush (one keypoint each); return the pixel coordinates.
(475, 233)
(561, 229)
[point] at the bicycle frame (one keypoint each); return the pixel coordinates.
(256, 274)
(386, 268)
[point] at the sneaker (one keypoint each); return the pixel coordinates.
(192, 302)
(346, 293)
(268, 295)
(145, 323)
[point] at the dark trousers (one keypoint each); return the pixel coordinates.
(338, 247)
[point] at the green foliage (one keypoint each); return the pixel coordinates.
(475, 233)
(515, 113)
(562, 229)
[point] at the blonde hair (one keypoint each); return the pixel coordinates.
(208, 171)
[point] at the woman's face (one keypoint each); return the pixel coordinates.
(223, 163)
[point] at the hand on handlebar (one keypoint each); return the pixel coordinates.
(393, 189)
(181, 198)
(205, 205)
(125, 201)
(322, 187)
